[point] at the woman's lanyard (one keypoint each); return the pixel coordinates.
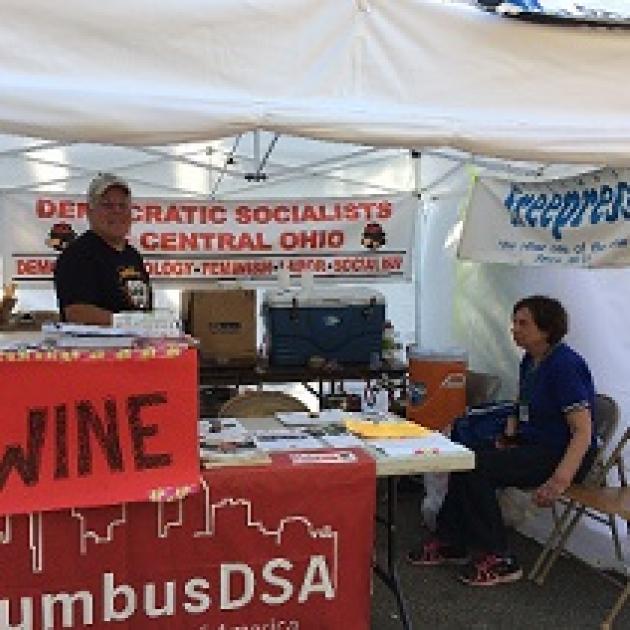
(528, 379)
(527, 385)
(526, 390)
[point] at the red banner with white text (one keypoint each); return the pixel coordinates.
(358, 239)
(95, 428)
(226, 557)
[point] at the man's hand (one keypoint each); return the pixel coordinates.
(87, 314)
(545, 495)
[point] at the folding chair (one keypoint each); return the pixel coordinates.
(594, 499)
(606, 416)
(606, 419)
(259, 404)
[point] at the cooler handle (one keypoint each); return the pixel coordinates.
(368, 310)
(294, 315)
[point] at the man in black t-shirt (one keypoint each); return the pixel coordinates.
(100, 273)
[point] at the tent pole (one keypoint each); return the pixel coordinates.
(257, 149)
(416, 157)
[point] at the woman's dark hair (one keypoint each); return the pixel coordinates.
(548, 314)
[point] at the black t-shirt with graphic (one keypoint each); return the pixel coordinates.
(92, 272)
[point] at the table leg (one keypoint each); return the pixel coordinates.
(389, 575)
(311, 390)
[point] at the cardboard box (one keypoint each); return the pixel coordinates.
(224, 321)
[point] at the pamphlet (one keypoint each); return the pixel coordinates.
(336, 457)
(387, 427)
(218, 429)
(334, 435)
(343, 441)
(241, 451)
(306, 418)
(285, 440)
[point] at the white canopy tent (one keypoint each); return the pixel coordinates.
(412, 74)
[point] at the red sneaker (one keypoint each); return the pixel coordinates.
(491, 570)
(434, 552)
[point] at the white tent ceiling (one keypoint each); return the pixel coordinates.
(410, 73)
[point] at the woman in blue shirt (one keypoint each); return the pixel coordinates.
(553, 446)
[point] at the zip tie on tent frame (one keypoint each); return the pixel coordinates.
(258, 175)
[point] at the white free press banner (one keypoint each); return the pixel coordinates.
(579, 221)
(357, 239)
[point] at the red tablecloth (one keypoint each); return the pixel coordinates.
(284, 546)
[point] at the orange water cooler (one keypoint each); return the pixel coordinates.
(437, 387)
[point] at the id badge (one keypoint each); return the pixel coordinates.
(523, 412)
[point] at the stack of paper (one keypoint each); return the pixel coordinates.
(87, 336)
(230, 445)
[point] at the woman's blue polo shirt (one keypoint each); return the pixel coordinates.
(561, 382)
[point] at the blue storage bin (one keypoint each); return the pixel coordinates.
(339, 325)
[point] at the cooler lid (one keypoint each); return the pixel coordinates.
(433, 354)
(323, 297)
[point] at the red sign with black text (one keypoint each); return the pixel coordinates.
(283, 546)
(87, 429)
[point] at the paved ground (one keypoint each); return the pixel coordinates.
(574, 596)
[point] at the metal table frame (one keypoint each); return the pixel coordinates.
(212, 374)
(391, 471)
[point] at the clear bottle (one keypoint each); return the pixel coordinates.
(263, 349)
(388, 342)
(399, 350)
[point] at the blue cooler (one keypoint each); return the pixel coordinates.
(338, 325)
